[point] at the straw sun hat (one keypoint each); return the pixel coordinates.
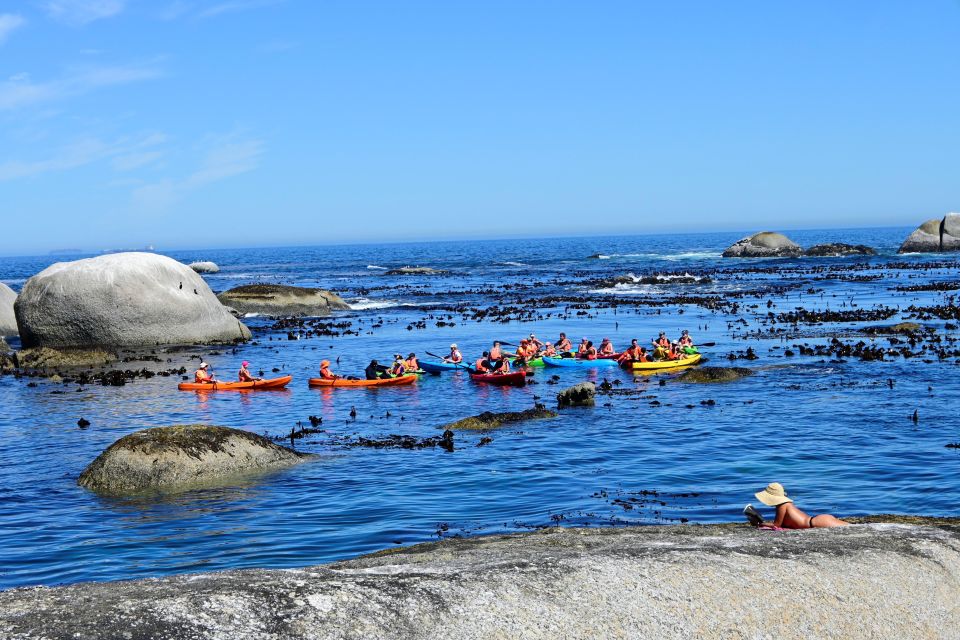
(773, 496)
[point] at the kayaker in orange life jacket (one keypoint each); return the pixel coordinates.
(398, 368)
(634, 353)
(563, 344)
(685, 339)
(495, 352)
(325, 372)
(548, 350)
(411, 363)
(202, 375)
(589, 351)
(482, 365)
(582, 347)
(244, 375)
(662, 346)
(606, 348)
(502, 367)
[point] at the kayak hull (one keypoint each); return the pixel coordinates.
(273, 383)
(515, 379)
(536, 362)
(576, 362)
(664, 364)
(440, 367)
(383, 382)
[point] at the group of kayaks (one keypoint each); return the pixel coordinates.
(514, 378)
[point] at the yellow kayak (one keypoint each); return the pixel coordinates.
(665, 364)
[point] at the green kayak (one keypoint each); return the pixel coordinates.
(536, 362)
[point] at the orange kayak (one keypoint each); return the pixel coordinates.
(343, 382)
(274, 383)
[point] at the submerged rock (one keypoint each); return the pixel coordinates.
(415, 271)
(839, 249)
(46, 358)
(715, 374)
(181, 457)
(900, 327)
(579, 395)
(711, 582)
(934, 236)
(766, 244)
(205, 267)
(282, 300)
(8, 321)
(119, 300)
(490, 420)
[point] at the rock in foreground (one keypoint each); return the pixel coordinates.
(122, 300)
(838, 250)
(765, 244)
(282, 300)
(8, 321)
(710, 582)
(205, 267)
(176, 458)
(490, 420)
(934, 236)
(579, 395)
(716, 374)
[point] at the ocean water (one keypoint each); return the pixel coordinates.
(836, 431)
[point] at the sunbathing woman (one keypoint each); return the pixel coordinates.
(789, 516)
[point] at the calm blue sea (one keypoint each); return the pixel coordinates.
(834, 432)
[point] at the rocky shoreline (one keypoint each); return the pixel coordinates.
(896, 578)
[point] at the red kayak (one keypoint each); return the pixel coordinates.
(515, 379)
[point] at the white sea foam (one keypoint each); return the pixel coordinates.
(364, 304)
(377, 267)
(514, 264)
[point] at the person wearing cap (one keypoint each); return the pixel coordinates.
(582, 347)
(548, 350)
(661, 347)
(325, 372)
(685, 339)
(533, 340)
(587, 351)
(244, 374)
(398, 369)
(202, 374)
(455, 356)
(375, 371)
(563, 345)
(411, 364)
(789, 515)
(606, 348)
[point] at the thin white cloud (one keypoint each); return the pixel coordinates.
(81, 12)
(223, 157)
(85, 151)
(9, 22)
(233, 6)
(21, 91)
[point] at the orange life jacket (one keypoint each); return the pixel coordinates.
(663, 342)
(411, 364)
(590, 353)
(455, 356)
(495, 353)
(244, 376)
(504, 366)
(607, 349)
(326, 374)
(201, 376)
(480, 367)
(564, 345)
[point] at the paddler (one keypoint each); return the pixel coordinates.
(325, 372)
(244, 374)
(661, 346)
(482, 365)
(411, 364)
(582, 347)
(563, 344)
(606, 348)
(533, 340)
(634, 353)
(589, 351)
(375, 371)
(202, 375)
(398, 369)
(502, 368)
(495, 352)
(455, 356)
(549, 351)
(685, 339)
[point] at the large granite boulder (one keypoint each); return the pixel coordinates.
(282, 300)
(934, 236)
(168, 459)
(765, 244)
(707, 582)
(839, 250)
(122, 300)
(8, 321)
(204, 267)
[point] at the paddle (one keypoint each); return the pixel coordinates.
(506, 344)
(706, 344)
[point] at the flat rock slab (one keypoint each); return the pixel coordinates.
(866, 581)
(491, 420)
(282, 300)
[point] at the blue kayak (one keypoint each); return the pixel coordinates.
(576, 362)
(439, 367)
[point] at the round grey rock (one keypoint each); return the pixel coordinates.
(181, 457)
(766, 244)
(205, 267)
(579, 395)
(282, 300)
(8, 321)
(934, 236)
(121, 300)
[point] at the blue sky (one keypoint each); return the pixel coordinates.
(195, 123)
